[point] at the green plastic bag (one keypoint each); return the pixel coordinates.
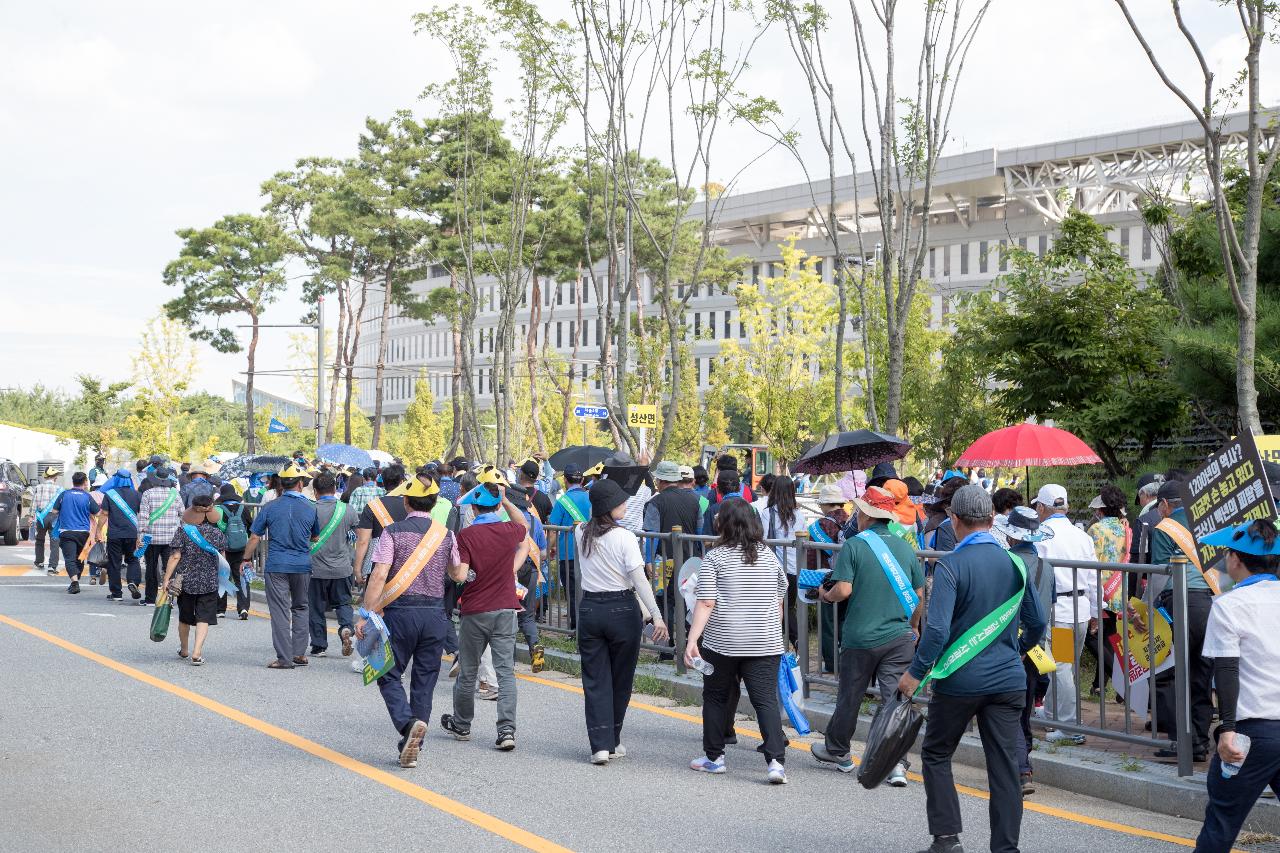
(160, 620)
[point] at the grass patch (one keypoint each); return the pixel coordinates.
(1130, 764)
(1257, 838)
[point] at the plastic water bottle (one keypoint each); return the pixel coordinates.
(703, 666)
(1242, 744)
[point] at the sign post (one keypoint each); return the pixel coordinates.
(1231, 488)
(585, 411)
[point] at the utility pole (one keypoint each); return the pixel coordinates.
(320, 425)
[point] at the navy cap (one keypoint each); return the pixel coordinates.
(572, 470)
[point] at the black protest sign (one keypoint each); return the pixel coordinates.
(1229, 489)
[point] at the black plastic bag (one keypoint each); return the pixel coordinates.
(893, 733)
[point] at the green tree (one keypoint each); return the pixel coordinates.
(234, 267)
(98, 415)
(419, 436)
(1078, 341)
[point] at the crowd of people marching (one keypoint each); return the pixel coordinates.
(451, 561)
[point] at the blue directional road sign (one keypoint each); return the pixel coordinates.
(598, 412)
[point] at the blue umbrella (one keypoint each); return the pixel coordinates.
(345, 454)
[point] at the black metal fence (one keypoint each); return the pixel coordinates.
(814, 628)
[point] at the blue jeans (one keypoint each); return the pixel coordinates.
(417, 635)
(1230, 800)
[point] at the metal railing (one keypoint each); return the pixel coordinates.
(1157, 585)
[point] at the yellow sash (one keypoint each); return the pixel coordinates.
(380, 512)
(1182, 537)
(413, 566)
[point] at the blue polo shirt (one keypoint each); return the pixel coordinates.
(560, 516)
(289, 521)
(968, 584)
(74, 506)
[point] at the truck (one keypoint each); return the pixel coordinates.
(754, 460)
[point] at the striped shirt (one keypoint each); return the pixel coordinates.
(361, 495)
(164, 527)
(747, 619)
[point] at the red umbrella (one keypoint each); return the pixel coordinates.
(1025, 445)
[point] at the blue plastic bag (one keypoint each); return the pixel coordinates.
(789, 690)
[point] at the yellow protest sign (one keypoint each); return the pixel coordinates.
(1268, 447)
(642, 415)
(1162, 634)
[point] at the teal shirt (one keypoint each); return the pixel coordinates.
(875, 614)
(1163, 549)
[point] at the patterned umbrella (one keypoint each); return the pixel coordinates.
(345, 454)
(243, 466)
(850, 451)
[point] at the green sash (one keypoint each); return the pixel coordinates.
(339, 513)
(973, 641)
(157, 513)
(572, 508)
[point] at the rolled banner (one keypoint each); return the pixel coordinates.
(226, 586)
(787, 691)
(142, 549)
(375, 647)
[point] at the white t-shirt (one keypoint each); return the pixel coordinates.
(747, 619)
(613, 559)
(1071, 543)
(1242, 624)
(779, 531)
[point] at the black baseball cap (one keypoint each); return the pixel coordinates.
(1170, 490)
(573, 471)
(530, 469)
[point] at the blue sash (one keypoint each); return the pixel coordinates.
(194, 534)
(817, 534)
(225, 585)
(898, 578)
(114, 494)
(40, 516)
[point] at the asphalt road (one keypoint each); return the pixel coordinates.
(108, 741)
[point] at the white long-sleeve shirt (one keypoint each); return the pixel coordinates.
(1071, 543)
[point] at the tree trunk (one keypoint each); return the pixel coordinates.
(382, 356)
(531, 361)
(248, 385)
(455, 395)
(353, 329)
(335, 374)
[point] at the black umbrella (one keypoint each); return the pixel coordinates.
(851, 451)
(626, 473)
(582, 455)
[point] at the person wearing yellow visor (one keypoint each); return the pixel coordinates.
(292, 523)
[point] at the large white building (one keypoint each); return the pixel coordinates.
(982, 200)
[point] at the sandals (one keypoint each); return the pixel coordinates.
(279, 664)
(197, 661)
(182, 654)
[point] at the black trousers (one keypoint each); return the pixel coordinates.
(120, 555)
(568, 583)
(1024, 731)
(41, 533)
(793, 613)
(609, 645)
(72, 543)
(720, 692)
(1200, 674)
(858, 667)
(156, 558)
(234, 559)
(998, 722)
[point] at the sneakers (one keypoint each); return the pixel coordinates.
(37, 566)
(705, 765)
(843, 764)
(53, 570)
(412, 743)
(538, 659)
(1028, 785)
(1055, 736)
(898, 778)
(506, 740)
(357, 664)
(619, 751)
(318, 652)
(345, 636)
(133, 590)
(244, 615)
(73, 588)
(600, 757)
(487, 693)
(945, 844)
(116, 598)
(777, 773)
(459, 733)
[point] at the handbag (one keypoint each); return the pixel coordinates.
(160, 619)
(893, 732)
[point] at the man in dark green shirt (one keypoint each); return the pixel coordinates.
(878, 574)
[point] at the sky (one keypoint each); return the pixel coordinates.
(125, 121)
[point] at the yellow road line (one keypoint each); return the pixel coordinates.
(15, 571)
(1040, 808)
(483, 820)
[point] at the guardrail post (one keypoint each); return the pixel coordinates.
(802, 625)
(1181, 665)
(678, 636)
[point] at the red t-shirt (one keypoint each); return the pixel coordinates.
(490, 549)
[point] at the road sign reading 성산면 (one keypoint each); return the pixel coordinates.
(600, 413)
(642, 415)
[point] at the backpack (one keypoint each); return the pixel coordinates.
(237, 535)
